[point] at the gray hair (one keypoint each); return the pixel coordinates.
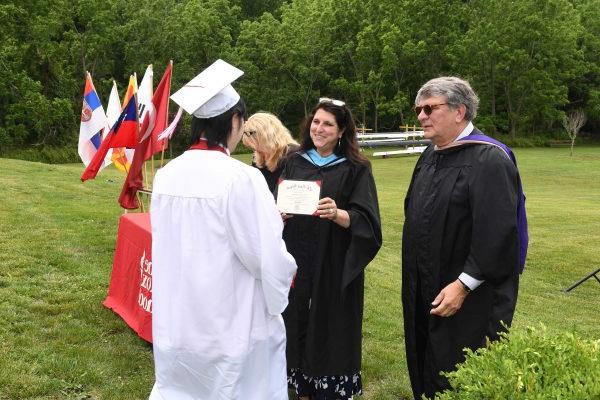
(456, 91)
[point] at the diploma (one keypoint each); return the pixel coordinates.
(298, 197)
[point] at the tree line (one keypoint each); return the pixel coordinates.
(531, 62)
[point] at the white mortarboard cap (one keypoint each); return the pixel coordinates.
(210, 93)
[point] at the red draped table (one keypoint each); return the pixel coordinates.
(130, 289)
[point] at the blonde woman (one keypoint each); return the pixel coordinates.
(271, 142)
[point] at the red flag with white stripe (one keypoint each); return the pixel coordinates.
(153, 124)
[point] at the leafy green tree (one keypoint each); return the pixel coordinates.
(94, 36)
(305, 47)
(402, 45)
(530, 62)
(14, 84)
(432, 28)
(252, 9)
(366, 78)
(520, 56)
(585, 88)
(288, 60)
(264, 85)
(192, 33)
(37, 80)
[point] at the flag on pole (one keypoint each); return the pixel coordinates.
(154, 123)
(131, 89)
(113, 110)
(122, 134)
(122, 157)
(93, 122)
(158, 115)
(144, 93)
(168, 133)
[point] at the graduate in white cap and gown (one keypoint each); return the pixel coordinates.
(221, 271)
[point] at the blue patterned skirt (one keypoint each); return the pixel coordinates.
(333, 387)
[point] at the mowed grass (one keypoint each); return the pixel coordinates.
(57, 240)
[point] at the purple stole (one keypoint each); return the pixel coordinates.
(479, 138)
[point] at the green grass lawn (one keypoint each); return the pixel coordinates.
(57, 238)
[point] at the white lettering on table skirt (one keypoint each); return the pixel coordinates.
(145, 294)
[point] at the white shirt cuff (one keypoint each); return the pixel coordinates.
(468, 280)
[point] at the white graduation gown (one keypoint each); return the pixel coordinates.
(221, 276)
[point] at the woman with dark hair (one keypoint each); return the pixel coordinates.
(332, 248)
(221, 274)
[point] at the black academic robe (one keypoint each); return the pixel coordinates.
(324, 316)
(461, 216)
(272, 177)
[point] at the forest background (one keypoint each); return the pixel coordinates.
(530, 61)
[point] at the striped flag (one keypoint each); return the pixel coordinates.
(93, 122)
(124, 133)
(121, 156)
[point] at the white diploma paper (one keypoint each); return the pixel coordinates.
(298, 197)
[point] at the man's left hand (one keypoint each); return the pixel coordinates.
(449, 301)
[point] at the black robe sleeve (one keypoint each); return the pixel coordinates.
(365, 225)
(493, 190)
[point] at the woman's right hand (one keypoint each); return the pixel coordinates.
(285, 216)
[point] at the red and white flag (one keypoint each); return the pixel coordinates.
(168, 133)
(122, 134)
(154, 123)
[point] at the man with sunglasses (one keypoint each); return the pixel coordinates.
(460, 248)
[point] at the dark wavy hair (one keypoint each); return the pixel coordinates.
(216, 130)
(348, 145)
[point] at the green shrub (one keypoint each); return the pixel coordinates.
(523, 141)
(68, 154)
(46, 154)
(530, 364)
(241, 149)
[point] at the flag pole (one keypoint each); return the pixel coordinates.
(152, 161)
(166, 141)
(162, 154)
(137, 131)
(140, 201)
(125, 165)
(145, 175)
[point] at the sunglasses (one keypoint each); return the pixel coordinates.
(335, 102)
(428, 108)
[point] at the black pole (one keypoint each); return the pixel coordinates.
(585, 279)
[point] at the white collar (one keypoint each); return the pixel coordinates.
(465, 132)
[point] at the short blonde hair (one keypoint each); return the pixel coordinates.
(265, 131)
